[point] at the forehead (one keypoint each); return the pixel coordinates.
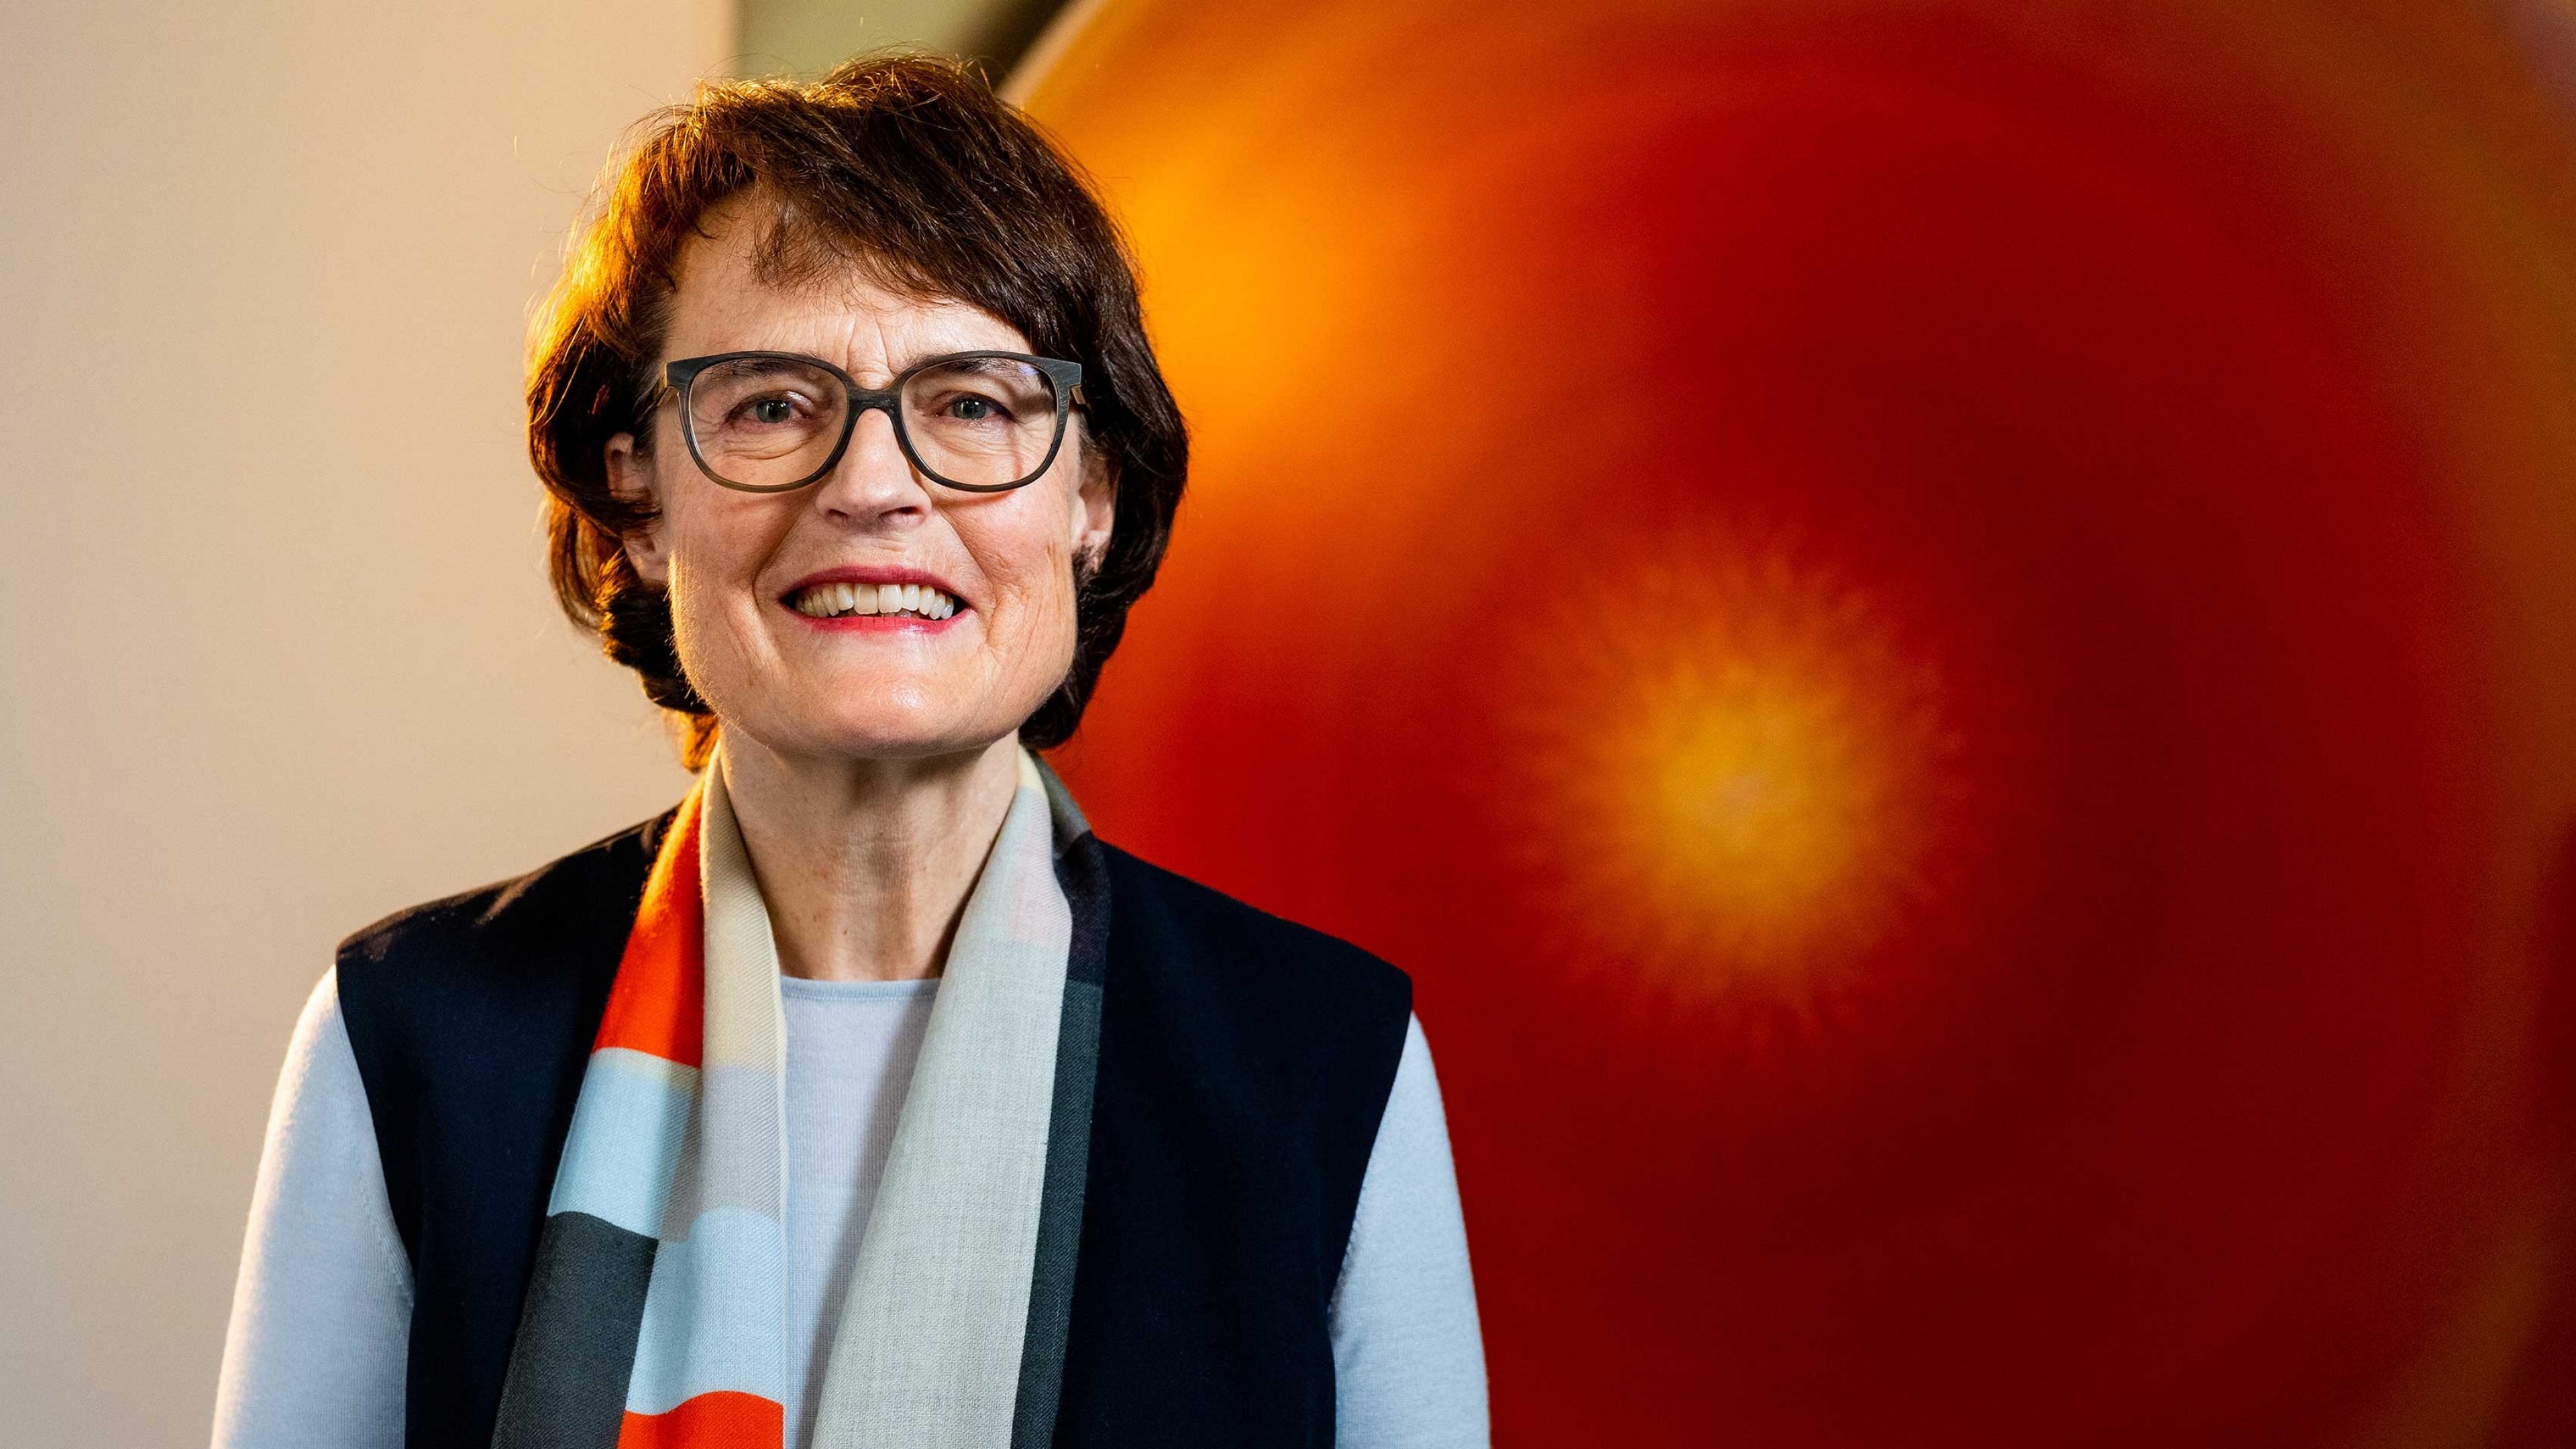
(726, 301)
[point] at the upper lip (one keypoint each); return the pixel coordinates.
(872, 574)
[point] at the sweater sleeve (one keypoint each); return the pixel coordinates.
(1408, 1357)
(315, 1354)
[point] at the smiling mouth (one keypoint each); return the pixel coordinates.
(845, 601)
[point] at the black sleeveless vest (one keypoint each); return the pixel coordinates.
(1242, 1066)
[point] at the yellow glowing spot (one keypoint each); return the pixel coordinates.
(1740, 782)
(1749, 788)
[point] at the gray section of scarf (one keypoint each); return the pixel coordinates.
(1082, 875)
(569, 1365)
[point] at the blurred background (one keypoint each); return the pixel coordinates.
(1943, 631)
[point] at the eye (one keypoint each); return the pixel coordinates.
(972, 409)
(767, 410)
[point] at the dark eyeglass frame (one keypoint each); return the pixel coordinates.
(679, 376)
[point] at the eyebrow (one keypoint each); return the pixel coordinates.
(979, 364)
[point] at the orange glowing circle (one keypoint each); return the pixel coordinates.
(1746, 795)
(2048, 920)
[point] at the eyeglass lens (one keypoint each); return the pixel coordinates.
(765, 422)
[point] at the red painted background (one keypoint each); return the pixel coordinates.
(1945, 636)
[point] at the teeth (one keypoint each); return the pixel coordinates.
(825, 601)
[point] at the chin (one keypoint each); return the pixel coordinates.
(871, 714)
(908, 745)
(881, 730)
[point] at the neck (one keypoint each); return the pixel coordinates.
(866, 864)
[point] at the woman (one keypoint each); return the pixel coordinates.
(866, 1096)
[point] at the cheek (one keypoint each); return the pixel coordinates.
(715, 546)
(1033, 583)
(714, 554)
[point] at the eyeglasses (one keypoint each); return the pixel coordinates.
(769, 422)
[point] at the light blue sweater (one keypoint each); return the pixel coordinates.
(321, 1315)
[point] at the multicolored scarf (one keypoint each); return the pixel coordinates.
(655, 1316)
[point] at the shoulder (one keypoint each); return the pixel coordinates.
(1269, 987)
(1159, 908)
(506, 973)
(523, 913)
(470, 1018)
(1229, 1035)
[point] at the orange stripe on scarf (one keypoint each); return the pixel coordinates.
(657, 1004)
(720, 1420)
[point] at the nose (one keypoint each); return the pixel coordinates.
(873, 485)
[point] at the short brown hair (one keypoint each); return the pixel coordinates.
(910, 170)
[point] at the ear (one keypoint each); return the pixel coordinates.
(1095, 512)
(630, 477)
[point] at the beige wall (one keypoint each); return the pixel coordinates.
(275, 653)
